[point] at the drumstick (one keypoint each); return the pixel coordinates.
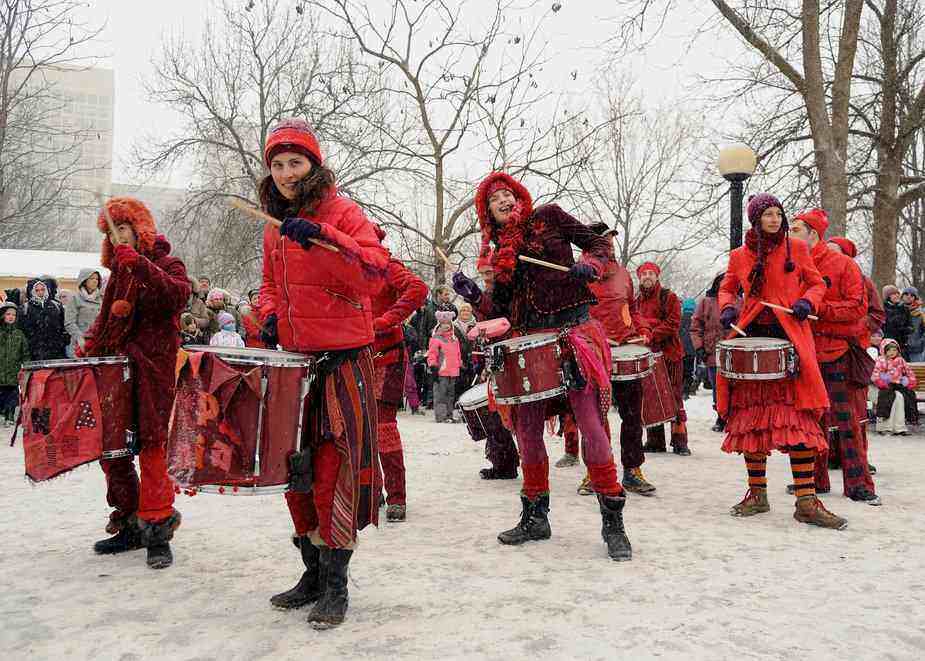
(788, 310)
(540, 262)
(114, 233)
(267, 218)
(446, 259)
(739, 330)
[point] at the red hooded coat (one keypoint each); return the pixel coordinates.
(783, 289)
(843, 310)
(658, 314)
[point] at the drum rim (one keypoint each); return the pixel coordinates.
(533, 397)
(645, 352)
(481, 402)
(271, 358)
(74, 362)
(753, 376)
(729, 344)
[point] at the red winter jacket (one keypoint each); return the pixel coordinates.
(402, 294)
(783, 289)
(614, 293)
(252, 326)
(658, 313)
(322, 298)
(706, 329)
(876, 315)
(843, 310)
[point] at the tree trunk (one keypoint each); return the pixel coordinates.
(886, 217)
(439, 239)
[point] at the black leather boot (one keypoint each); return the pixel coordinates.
(618, 544)
(309, 587)
(534, 522)
(128, 538)
(332, 606)
(156, 537)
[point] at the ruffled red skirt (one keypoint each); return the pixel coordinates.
(763, 418)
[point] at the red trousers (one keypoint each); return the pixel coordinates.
(391, 456)
(156, 490)
(312, 511)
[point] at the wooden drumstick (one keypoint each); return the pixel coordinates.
(787, 310)
(739, 330)
(113, 232)
(267, 218)
(446, 260)
(540, 262)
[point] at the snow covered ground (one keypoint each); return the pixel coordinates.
(701, 585)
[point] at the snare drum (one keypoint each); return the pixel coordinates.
(631, 362)
(75, 411)
(756, 358)
(237, 419)
(474, 407)
(527, 369)
(659, 404)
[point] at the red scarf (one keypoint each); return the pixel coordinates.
(761, 244)
(510, 238)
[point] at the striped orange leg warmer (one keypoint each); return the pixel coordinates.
(802, 460)
(757, 465)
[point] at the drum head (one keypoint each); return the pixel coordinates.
(753, 343)
(475, 397)
(249, 354)
(74, 362)
(629, 352)
(525, 341)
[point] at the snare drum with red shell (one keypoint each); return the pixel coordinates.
(237, 419)
(659, 404)
(527, 369)
(75, 411)
(756, 358)
(630, 362)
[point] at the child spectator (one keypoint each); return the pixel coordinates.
(893, 375)
(14, 351)
(444, 357)
(190, 332)
(227, 336)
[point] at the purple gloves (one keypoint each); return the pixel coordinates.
(466, 287)
(728, 317)
(802, 309)
(582, 272)
(300, 231)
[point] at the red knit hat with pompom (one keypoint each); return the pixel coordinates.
(818, 219)
(292, 135)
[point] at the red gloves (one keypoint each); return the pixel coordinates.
(381, 325)
(125, 255)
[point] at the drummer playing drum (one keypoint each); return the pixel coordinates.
(783, 414)
(536, 299)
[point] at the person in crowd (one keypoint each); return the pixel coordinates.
(41, 318)
(657, 311)
(444, 358)
(318, 302)
(227, 336)
(204, 286)
(898, 319)
(688, 305)
(139, 317)
(412, 350)
(82, 309)
(250, 326)
(403, 293)
(189, 330)
(782, 414)
(706, 331)
(538, 299)
(196, 307)
(424, 322)
(842, 318)
(915, 338)
(893, 376)
(14, 351)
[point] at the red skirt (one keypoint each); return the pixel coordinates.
(763, 418)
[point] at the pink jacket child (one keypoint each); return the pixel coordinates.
(889, 370)
(443, 350)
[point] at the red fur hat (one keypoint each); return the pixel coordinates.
(494, 182)
(648, 266)
(847, 245)
(292, 135)
(128, 210)
(815, 218)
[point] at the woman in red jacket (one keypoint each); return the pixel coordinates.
(775, 415)
(317, 301)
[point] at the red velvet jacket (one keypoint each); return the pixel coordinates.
(783, 289)
(614, 293)
(322, 298)
(843, 310)
(658, 313)
(402, 294)
(549, 236)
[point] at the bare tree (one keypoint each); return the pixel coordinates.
(249, 68)
(474, 95)
(39, 155)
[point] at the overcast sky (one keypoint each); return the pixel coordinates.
(134, 31)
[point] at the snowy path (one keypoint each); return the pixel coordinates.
(701, 584)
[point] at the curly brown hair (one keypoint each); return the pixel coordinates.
(311, 190)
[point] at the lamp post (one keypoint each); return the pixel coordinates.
(736, 163)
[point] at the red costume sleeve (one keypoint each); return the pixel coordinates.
(356, 239)
(170, 284)
(413, 293)
(269, 297)
(814, 285)
(670, 324)
(729, 288)
(852, 306)
(593, 246)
